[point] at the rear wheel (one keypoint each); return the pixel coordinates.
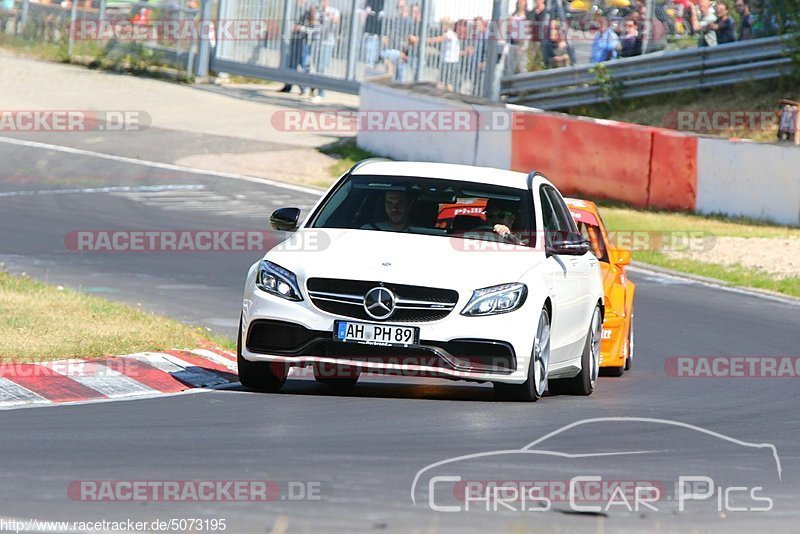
(340, 376)
(266, 377)
(629, 356)
(536, 384)
(584, 382)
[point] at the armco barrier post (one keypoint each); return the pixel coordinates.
(287, 30)
(352, 47)
(23, 18)
(73, 16)
(425, 11)
(204, 50)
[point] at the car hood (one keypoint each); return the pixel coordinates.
(433, 261)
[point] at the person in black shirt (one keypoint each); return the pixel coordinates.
(724, 27)
(746, 24)
(631, 40)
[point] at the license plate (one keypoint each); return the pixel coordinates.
(376, 334)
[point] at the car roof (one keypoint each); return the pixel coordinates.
(444, 171)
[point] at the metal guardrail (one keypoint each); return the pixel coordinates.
(653, 74)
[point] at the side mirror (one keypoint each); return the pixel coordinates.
(620, 256)
(569, 244)
(285, 219)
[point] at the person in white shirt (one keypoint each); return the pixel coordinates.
(450, 55)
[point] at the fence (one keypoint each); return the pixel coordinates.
(115, 31)
(654, 74)
(337, 44)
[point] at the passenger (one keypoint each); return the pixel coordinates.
(500, 218)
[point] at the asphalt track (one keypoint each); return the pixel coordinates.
(365, 448)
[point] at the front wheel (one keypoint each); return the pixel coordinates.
(584, 382)
(536, 384)
(265, 377)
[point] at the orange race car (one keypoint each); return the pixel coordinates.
(616, 350)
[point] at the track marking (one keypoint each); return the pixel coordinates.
(108, 189)
(731, 289)
(158, 165)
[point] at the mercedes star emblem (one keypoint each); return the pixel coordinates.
(379, 303)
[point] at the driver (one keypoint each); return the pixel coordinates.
(500, 218)
(398, 205)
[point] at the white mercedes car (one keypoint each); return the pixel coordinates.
(427, 269)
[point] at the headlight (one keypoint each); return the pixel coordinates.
(275, 279)
(496, 299)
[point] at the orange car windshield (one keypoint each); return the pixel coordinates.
(595, 237)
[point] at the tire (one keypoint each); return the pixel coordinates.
(629, 358)
(584, 382)
(265, 377)
(338, 376)
(534, 387)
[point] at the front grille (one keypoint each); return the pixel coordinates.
(414, 304)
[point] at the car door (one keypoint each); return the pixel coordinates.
(565, 285)
(583, 267)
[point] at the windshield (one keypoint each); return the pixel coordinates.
(429, 206)
(590, 229)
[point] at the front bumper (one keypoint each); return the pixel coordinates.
(494, 348)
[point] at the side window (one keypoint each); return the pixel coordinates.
(548, 215)
(565, 220)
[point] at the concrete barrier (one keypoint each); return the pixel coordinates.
(741, 178)
(643, 166)
(464, 133)
(600, 159)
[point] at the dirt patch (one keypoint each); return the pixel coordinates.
(301, 166)
(777, 256)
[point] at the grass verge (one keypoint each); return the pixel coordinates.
(733, 275)
(42, 322)
(661, 110)
(347, 152)
(627, 219)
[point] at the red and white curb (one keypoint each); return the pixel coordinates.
(144, 374)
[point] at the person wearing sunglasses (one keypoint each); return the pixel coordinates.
(500, 218)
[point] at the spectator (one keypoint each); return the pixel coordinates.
(300, 48)
(450, 56)
(539, 20)
(746, 20)
(518, 39)
(631, 40)
(373, 29)
(765, 23)
(7, 12)
(702, 16)
(329, 18)
(559, 53)
(724, 26)
(605, 44)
